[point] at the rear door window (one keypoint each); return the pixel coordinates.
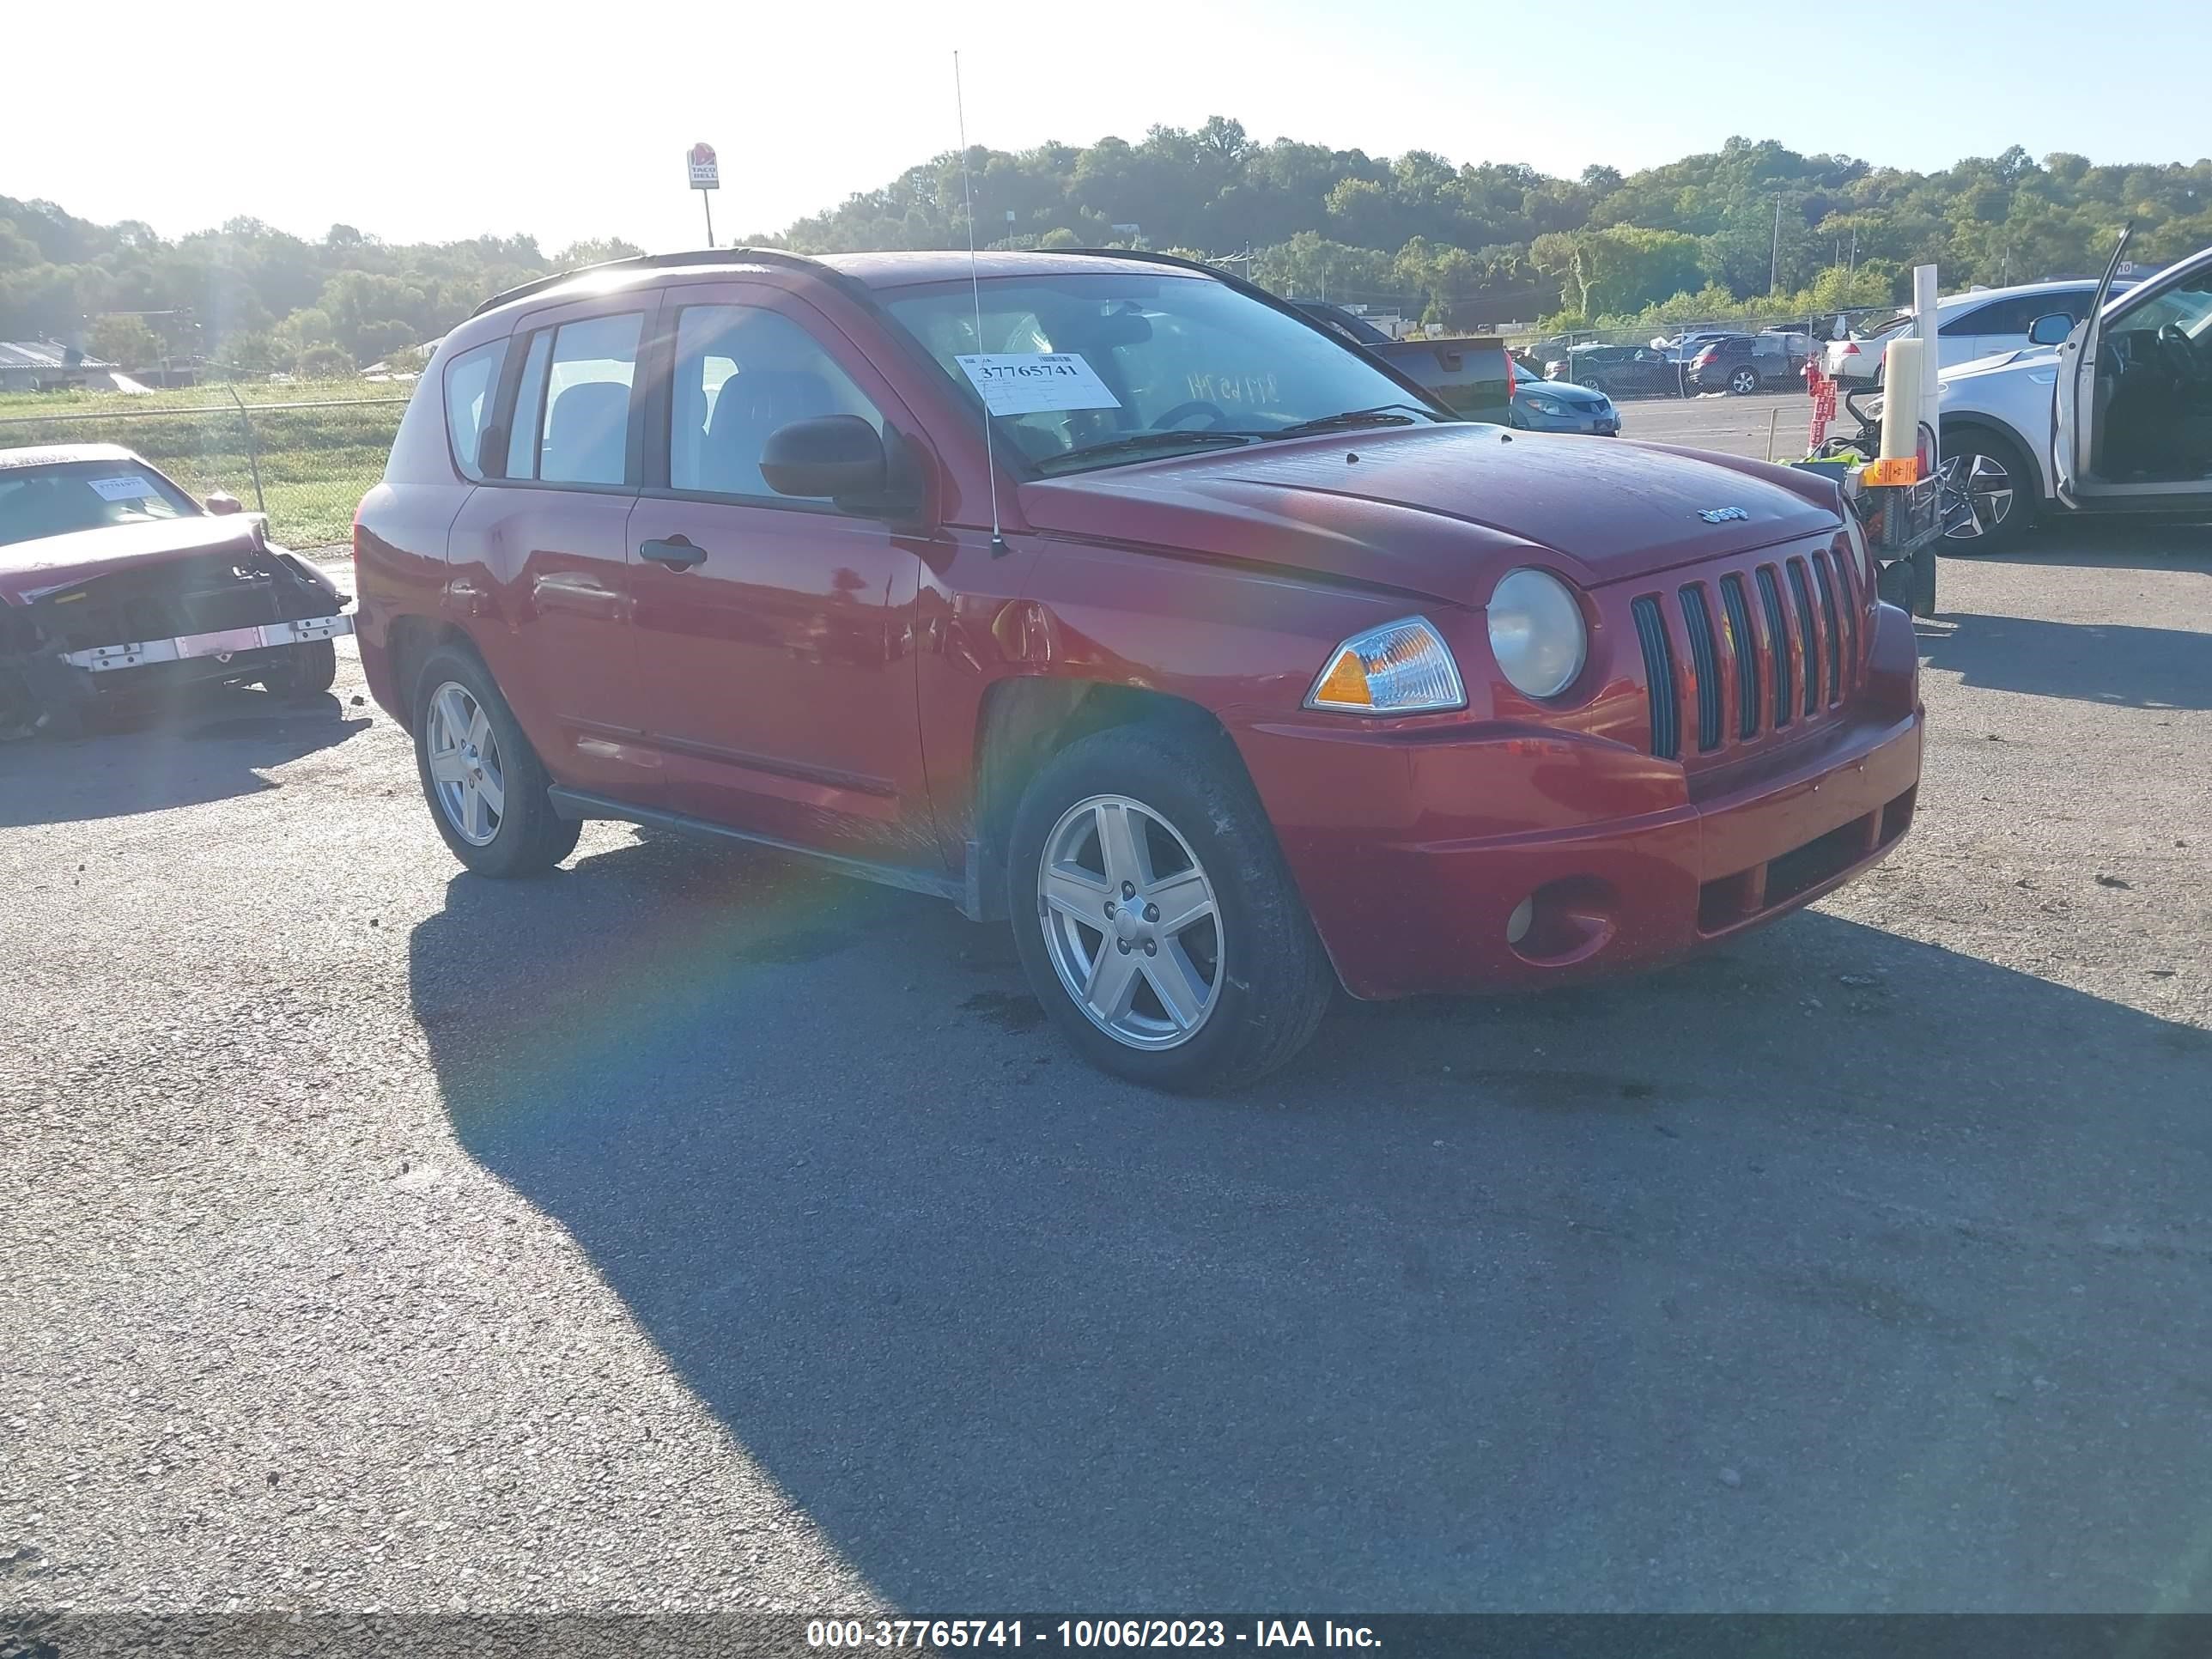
(585, 438)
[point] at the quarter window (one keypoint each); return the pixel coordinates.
(586, 439)
(470, 381)
(741, 373)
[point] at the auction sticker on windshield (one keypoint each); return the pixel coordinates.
(130, 488)
(1032, 382)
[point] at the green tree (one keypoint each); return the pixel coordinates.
(324, 362)
(124, 340)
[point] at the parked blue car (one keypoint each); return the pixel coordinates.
(1541, 406)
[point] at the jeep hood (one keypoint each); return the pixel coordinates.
(1440, 510)
(30, 568)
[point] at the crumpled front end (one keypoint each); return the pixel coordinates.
(137, 633)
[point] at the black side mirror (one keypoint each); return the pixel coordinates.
(2049, 330)
(838, 457)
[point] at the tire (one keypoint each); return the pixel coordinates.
(306, 671)
(1989, 490)
(1743, 381)
(1182, 795)
(522, 835)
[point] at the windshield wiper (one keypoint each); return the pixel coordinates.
(1136, 440)
(1381, 414)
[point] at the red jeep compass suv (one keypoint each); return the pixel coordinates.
(1106, 594)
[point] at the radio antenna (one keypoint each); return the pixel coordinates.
(975, 293)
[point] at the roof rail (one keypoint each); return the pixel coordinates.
(697, 256)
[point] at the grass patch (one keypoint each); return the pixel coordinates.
(315, 464)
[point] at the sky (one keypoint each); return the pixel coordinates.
(421, 122)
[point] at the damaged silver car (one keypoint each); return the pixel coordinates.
(117, 587)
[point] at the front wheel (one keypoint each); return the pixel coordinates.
(1985, 503)
(303, 671)
(1154, 915)
(486, 787)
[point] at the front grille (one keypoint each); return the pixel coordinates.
(1705, 664)
(1745, 648)
(1780, 648)
(1834, 634)
(1659, 677)
(1808, 639)
(1850, 597)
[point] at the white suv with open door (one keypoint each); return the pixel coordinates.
(1968, 326)
(2112, 413)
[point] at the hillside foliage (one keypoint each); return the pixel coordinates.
(1722, 234)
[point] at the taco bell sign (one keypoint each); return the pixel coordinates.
(706, 173)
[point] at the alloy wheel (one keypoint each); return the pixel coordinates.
(1131, 923)
(465, 769)
(1978, 495)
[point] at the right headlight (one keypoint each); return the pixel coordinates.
(1536, 632)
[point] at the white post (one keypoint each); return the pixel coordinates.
(1931, 362)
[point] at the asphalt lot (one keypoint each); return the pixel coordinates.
(690, 1229)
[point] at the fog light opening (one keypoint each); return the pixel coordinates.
(1563, 921)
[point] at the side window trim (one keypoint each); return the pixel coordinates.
(502, 411)
(534, 363)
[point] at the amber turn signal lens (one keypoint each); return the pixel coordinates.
(1345, 682)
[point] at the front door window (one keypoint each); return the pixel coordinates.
(2154, 388)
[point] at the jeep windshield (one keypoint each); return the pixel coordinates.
(1111, 368)
(37, 501)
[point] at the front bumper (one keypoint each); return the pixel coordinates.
(1415, 859)
(1604, 423)
(218, 648)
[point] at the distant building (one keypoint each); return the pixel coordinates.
(50, 366)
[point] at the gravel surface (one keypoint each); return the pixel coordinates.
(689, 1229)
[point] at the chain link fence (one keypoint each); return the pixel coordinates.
(306, 460)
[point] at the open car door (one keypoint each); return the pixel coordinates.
(2133, 411)
(2076, 391)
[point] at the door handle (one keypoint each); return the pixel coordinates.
(677, 553)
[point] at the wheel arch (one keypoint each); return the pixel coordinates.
(412, 641)
(1023, 721)
(1991, 426)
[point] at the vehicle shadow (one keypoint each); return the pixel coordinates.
(211, 745)
(2113, 543)
(1816, 1274)
(2089, 662)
